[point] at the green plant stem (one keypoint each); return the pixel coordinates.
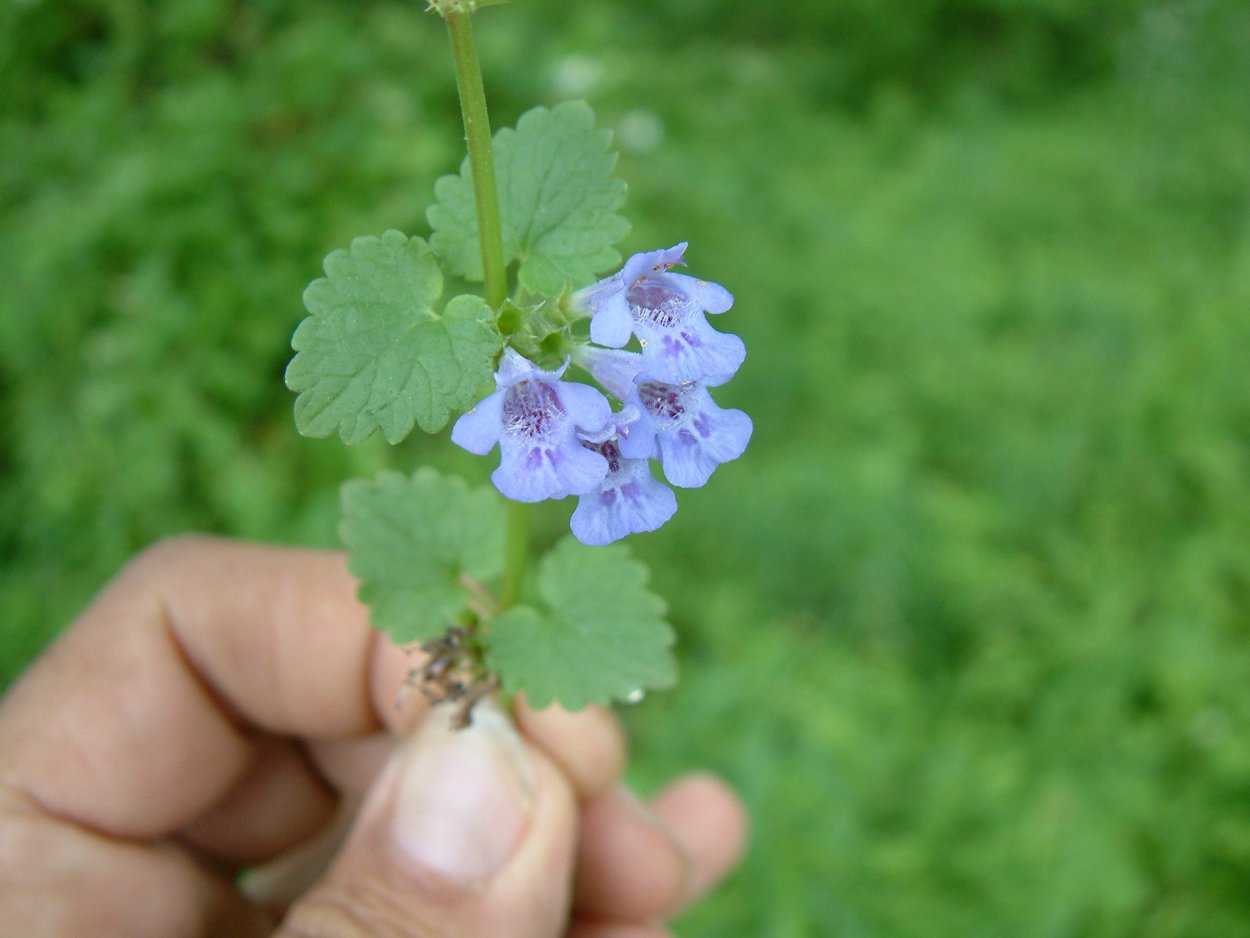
(490, 233)
(516, 552)
(481, 161)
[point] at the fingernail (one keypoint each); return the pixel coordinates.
(464, 796)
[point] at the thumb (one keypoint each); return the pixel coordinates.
(465, 833)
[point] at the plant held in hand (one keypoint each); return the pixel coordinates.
(532, 215)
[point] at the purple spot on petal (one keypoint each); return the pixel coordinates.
(657, 304)
(608, 450)
(661, 400)
(532, 409)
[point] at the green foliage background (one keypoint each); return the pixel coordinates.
(968, 623)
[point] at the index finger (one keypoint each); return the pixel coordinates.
(143, 713)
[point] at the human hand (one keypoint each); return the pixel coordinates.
(217, 706)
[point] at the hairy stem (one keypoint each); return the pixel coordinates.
(481, 161)
(482, 166)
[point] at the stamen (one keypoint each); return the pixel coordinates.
(658, 305)
(532, 409)
(662, 400)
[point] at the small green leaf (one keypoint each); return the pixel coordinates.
(558, 202)
(602, 636)
(410, 542)
(373, 354)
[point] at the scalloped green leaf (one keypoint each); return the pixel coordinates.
(412, 541)
(597, 633)
(374, 355)
(558, 202)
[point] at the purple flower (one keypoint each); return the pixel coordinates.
(665, 310)
(682, 426)
(534, 417)
(615, 369)
(629, 501)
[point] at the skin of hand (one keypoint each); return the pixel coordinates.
(223, 707)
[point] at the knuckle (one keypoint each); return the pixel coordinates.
(170, 552)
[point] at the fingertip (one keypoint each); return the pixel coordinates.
(588, 744)
(644, 862)
(629, 866)
(398, 704)
(710, 822)
(465, 832)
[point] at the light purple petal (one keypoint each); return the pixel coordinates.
(595, 295)
(525, 473)
(580, 471)
(615, 369)
(479, 429)
(612, 324)
(523, 477)
(593, 523)
(714, 381)
(629, 502)
(686, 464)
(648, 506)
(514, 367)
(533, 471)
(625, 418)
(640, 444)
(639, 265)
(618, 425)
(689, 351)
(710, 297)
(693, 451)
(694, 436)
(725, 433)
(636, 440)
(586, 407)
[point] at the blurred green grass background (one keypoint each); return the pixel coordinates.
(968, 624)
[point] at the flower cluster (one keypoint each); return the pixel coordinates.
(558, 438)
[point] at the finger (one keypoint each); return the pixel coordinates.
(59, 880)
(710, 823)
(643, 863)
(629, 867)
(140, 717)
(465, 832)
(588, 745)
(275, 806)
(616, 930)
(350, 767)
(351, 764)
